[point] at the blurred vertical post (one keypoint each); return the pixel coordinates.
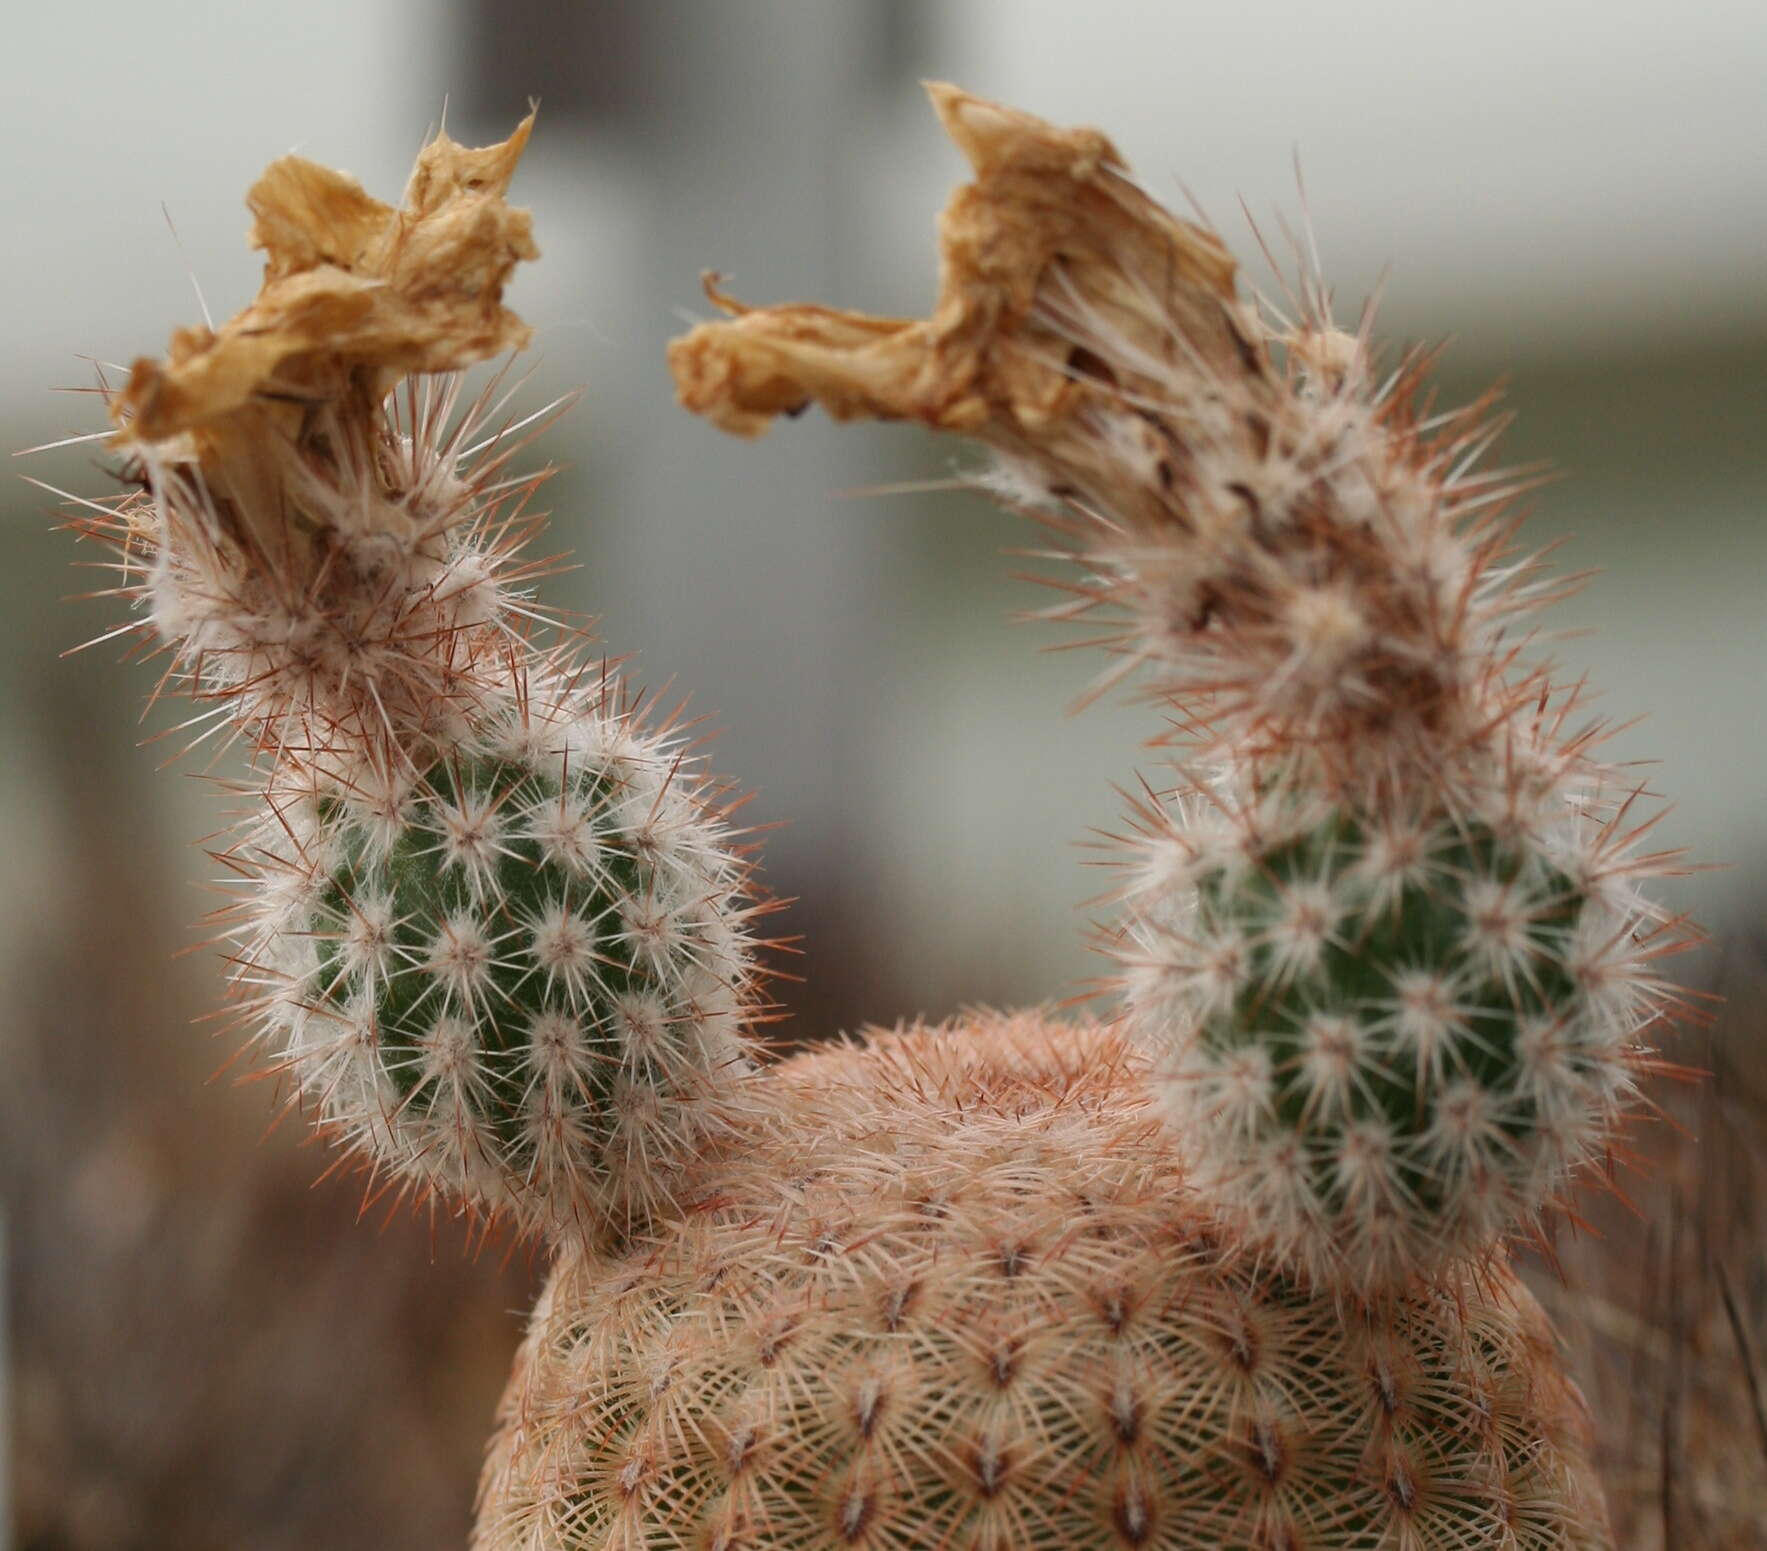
(725, 570)
(5, 1390)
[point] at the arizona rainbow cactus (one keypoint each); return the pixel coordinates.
(1222, 1268)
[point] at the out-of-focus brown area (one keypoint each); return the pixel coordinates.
(207, 1350)
(1665, 1311)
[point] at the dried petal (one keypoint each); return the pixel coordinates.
(356, 295)
(1052, 221)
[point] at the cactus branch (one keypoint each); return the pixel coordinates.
(1381, 937)
(494, 929)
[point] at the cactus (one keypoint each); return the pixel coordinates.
(1226, 1268)
(1381, 943)
(493, 929)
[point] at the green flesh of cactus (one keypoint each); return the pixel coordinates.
(424, 890)
(522, 980)
(1371, 944)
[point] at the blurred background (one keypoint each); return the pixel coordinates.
(204, 1349)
